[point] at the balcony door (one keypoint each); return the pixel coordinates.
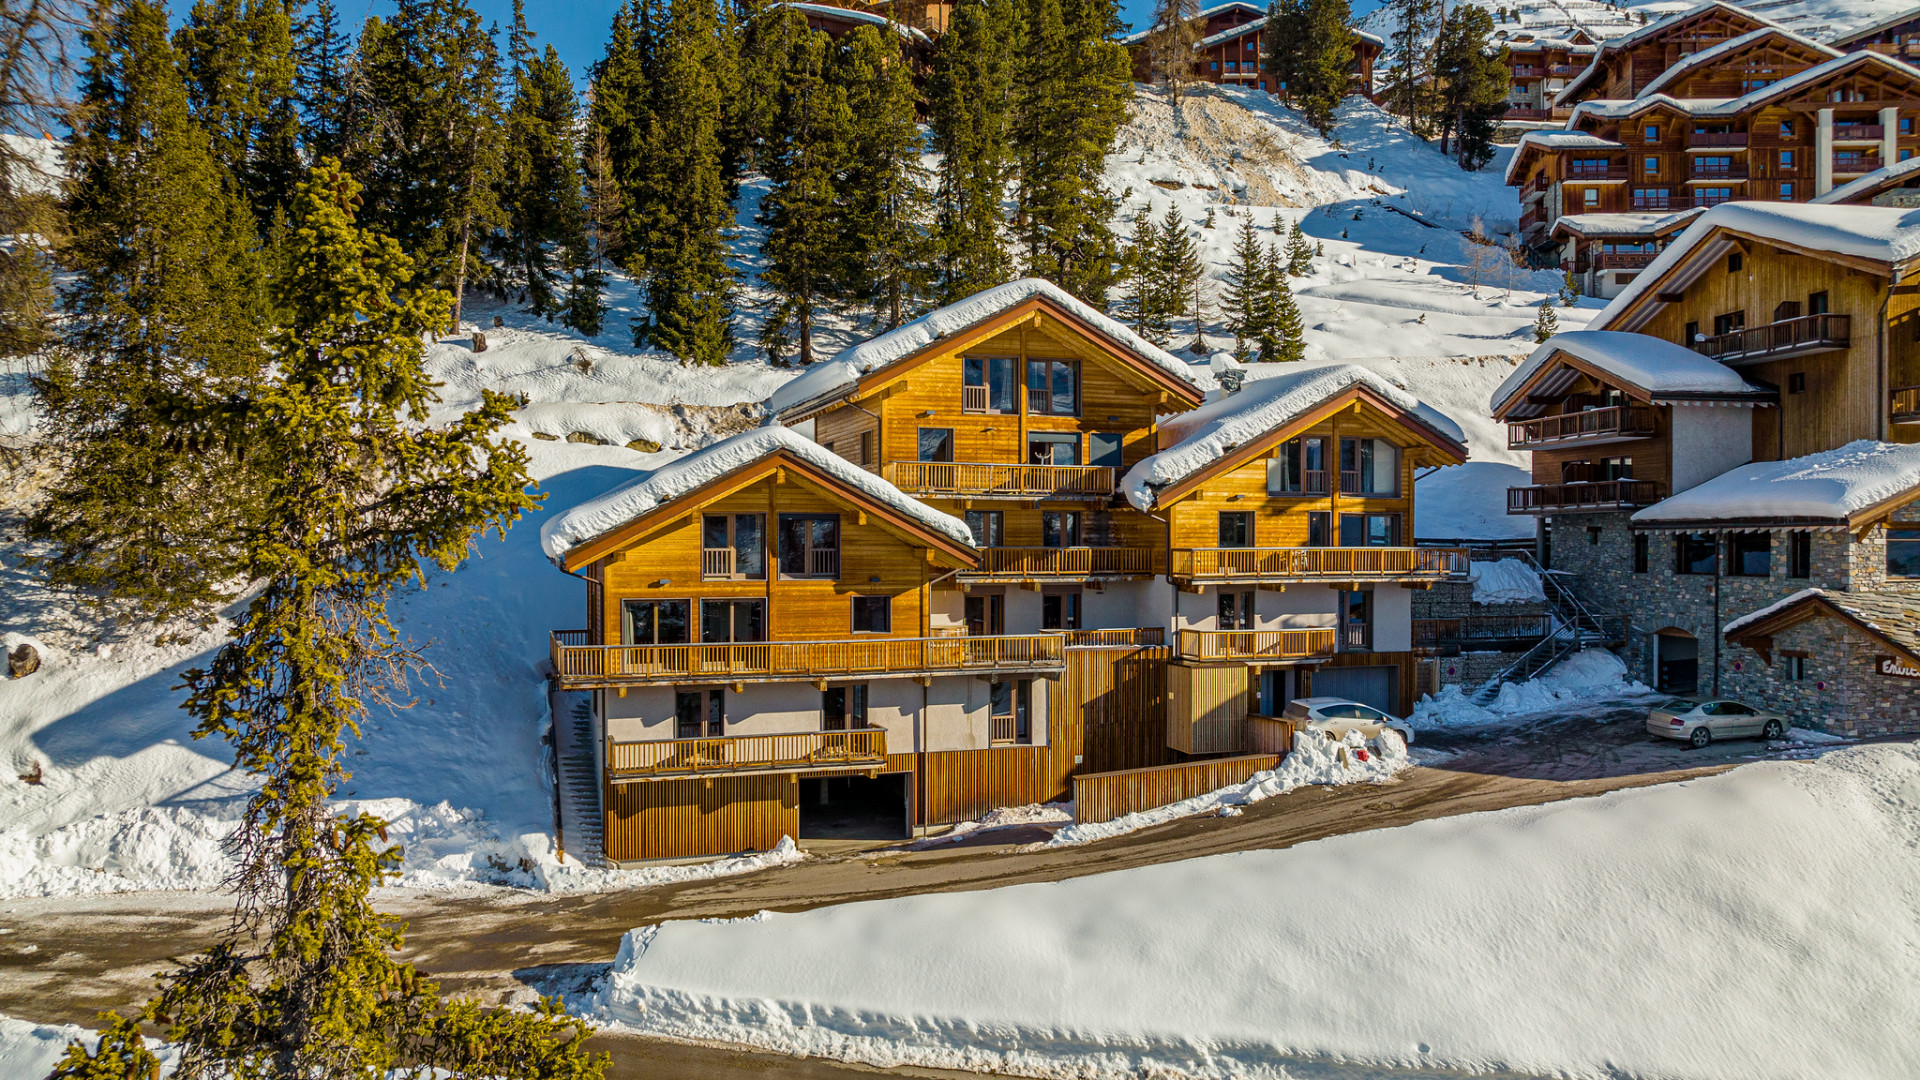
(1356, 621)
(809, 546)
(727, 622)
(657, 622)
(986, 614)
(843, 707)
(1369, 530)
(699, 714)
(733, 546)
(1053, 448)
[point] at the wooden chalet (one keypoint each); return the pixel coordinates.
(1539, 68)
(1897, 36)
(1233, 46)
(1624, 66)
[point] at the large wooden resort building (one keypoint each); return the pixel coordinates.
(975, 556)
(1232, 49)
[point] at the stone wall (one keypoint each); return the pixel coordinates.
(1842, 690)
(1869, 558)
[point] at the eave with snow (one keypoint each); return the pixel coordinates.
(1855, 488)
(1887, 622)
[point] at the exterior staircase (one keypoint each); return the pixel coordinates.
(582, 821)
(1575, 627)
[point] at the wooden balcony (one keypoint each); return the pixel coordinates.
(857, 750)
(1710, 172)
(580, 666)
(1717, 140)
(1129, 637)
(1594, 426)
(1202, 566)
(1526, 112)
(1906, 404)
(1777, 340)
(1282, 646)
(1535, 187)
(1611, 172)
(1588, 497)
(1479, 629)
(1066, 564)
(1533, 217)
(977, 480)
(1624, 260)
(1858, 133)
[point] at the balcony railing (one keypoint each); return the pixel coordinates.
(973, 399)
(1563, 69)
(1705, 171)
(1593, 425)
(1624, 260)
(812, 751)
(1535, 186)
(1318, 563)
(579, 666)
(1906, 404)
(1131, 637)
(1528, 71)
(1308, 644)
(1535, 216)
(1432, 633)
(1524, 112)
(1577, 172)
(1023, 563)
(1733, 140)
(1586, 496)
(1858, 132)
(980, 480)
(1788, 337)
(1354, 482)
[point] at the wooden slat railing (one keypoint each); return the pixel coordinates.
(1619, 421)
(859, 748)
(1007, 481)
(1806, 333)
(1042, 562)
(1121, 638)
(1905, 404)
(1301, 644)
(973, 399)
(580, 666)
(1105, 796)
(1594, 495)
(1001, 731)
(1309, 563)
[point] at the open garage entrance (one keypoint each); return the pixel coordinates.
(1676, 661)
(854, 807)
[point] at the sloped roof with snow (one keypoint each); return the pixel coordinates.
(840, 373)
(653, 489)
(1653, 29)
(1205, 13)
(1892, 618)
(1831, 486)
(1888, 23)
(1870, 184)
(828, 11)
(1216, 429)
(1708, 57)
(1655, 366)
(1555, 140)
(1626, 224)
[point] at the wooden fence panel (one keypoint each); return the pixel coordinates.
(961, 785)
(1120, 697)
(1205, 708)
(1105, 796)
(669, 819)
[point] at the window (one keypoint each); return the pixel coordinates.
(866, 448)
(1712, 196)
(1651, 199)
(986, 614)
(1729, 323)
(1053, 387)
(1053, 448)
(1235, 611)
(1060, 609)
(1800, 554)
(657, 622)
(988, 528)
(724, 622)
(1786, 161)
(1797, 383)
(1793, 668)
(1300, 468)
(1103, 448)
(1593, 536)
(699, 714)
(1319, 529)
(1903, 553)
(1009, 712)
(1060, 528)
(810, 545)
(843, 707)
(1906, 125)
(1786, 192)
(936, 444)
(1651, 133)
(989, 384)
(1640, 553)
(1652, 166)
(1690, 335)
(1369, 530)
(1905, 153)
(1786, 129)
(1590, 196)
(873, 614)
(1817, 303)
(733, 546)
(1356, 620)
(1695, 553)
(1369, 467)
(1734, 262)
(1750, 554)
(1236, 529)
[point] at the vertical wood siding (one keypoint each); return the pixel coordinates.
(1105, 796)
(1205, 707)
(669, 819)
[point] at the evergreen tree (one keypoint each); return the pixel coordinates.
(887, 203)
(322, 57)
(768, 39)
(1171, 44)
(163, 312)
(1285, 37)
(1177, 269)
(1151, 316)
(1569, 288)
(1410, 79)
(622, 114)
(1546, 323)
(1274, 282)
(1288, 334)
(355, 495)
(687, 212)
(1245, 298)
(805, 261)
(427, 137)
(1323, 56)
(1299, 252)
(1472, 81)
(969, 104)
(587, 260)
(238, 56)
(1073, 93)
(540, 174)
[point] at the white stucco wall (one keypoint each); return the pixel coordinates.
(1708, 441)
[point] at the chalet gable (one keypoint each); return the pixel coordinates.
(1889, 621)
(1645, 369)
(1646, 49)
(1769, 49)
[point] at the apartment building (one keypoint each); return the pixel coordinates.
(1540, 68)
(1233, 46)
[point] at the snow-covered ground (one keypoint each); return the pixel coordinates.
(1754, 925)
(1592, 680)
(32, 1050)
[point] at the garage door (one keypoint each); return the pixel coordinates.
(1367, 685)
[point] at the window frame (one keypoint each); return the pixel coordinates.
(986, 366)
(1054, 439)
(996, 519)
(944, 446)
(1800, 554)
(854, 704)
(732, 525)
(839, 538)
(1068, 611)
(1909, 546)
(1049, 364)
(708, 700)
(1244, 522)
(1066, 525)
(627, 604)
(733, 604)
(1642, 549)
(884, 604)
(1681, 563)
(1743, 544)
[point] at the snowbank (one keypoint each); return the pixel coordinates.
(668, 482)
(1831, 486)
(1755, 925)
(1588, 680)
(32, 1050)
(1506, 581)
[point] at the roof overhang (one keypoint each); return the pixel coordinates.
(1758, 635)
(1705, 252)
(1556, 377)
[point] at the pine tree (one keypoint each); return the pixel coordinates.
(322, 57)
(1569, 288)
(540, 174)
(1324, 55)
(238, 56)
(1289, 332)
(1245, 295)
(1177, 269)
(427, 138)
(1546, 323)
(622, 114)
(163, 312)
(1472, 82)
(688, 211)
(587, 260)
(769, 37)
(1410, 79)
(354, 496)
(1151, 317)
(1274, 282)
(969, 104)
(805, 262)
(1171, 44)
(1299, 252)
(887, 206)
(1285, 36)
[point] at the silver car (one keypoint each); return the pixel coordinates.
(1337, 716)
(1701, 722)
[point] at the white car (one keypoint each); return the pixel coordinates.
(1337, 716)
(1701, 722)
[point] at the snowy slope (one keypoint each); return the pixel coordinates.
(1756, 925)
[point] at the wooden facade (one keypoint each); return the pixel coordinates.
(1104, 796)
(1232, 46)
(1626, 65)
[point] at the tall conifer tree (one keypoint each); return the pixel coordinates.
(1323, 58)
(322, 56)
(239, 59)
(1473, 80)
(888, 206)
(1245, 295)
(1171, 43)
(969, 100)
(622, 114)
(540, 176)
(802, 211)
(1150, 315)
(587, 260)
(1178, 269)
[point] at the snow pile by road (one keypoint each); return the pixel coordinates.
(1312, 762)
(29, 1050)
(1506, 581)
(1588, 680)
(1755, 925)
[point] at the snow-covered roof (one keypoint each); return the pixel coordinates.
(1707, 57)
(1214, 430)
(1622, 108)
(1830, 486)
(1889, 616)
(1870, 183)
(1888, 23)
(1653, 29)
(1881, 233)
(1626, 224)
(836, 375)
(1232, 32)
(1205, 13)
(1660, 368)
(1781, 604)
(1553, 140)
(653, 489)
(1542, 44)
(831, 12)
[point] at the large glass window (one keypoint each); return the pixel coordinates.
(1236, 529)
(1800, 554)
(1356, 620)
(1369, 467)
(1235, 611)
(733, 546)
(724, 622)
(1750, 554)
(1008, 710)
(936, 444)
(810, 545)
(1060, 609)
(1299, 469)
(1369, 530)
(986, 614)
(988, 527)
(873, 614)
(1695, 553)
(989, 381)
(699, 714)
(1060, 528)
(1053, 448)
(1903, 553)
(1053, 387)
(843, 707)
(657, 622)
(1104, 447)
